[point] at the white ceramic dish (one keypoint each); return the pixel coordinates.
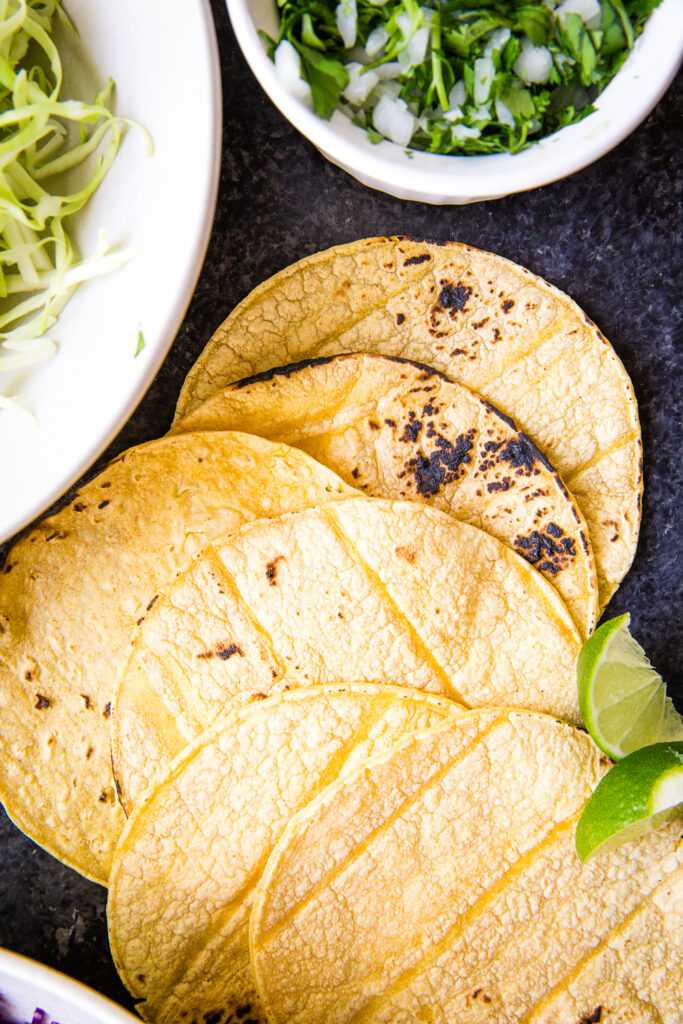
(26, 985)
(433, 178)
(167, 78)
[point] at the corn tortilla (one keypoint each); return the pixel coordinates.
(396, 429)
(362, 588)
(178, 912)
(71, 591)
(485, 322)
(440, 883)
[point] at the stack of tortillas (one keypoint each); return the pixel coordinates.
(324, 631)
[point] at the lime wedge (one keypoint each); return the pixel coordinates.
(639, 794)
(622, 699)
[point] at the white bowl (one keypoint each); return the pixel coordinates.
(26, 985)
(160, 207)
(432, 178)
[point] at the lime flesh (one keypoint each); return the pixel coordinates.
(622, 698)
(639, 794)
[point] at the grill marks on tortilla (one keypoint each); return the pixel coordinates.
(79, 580)
(463, 873)
(368, 594)
(542, 360)
(398, 429)
(263, 764)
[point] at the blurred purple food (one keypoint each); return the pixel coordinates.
(39, 1016)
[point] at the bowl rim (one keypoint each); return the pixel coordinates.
(471, 178)
(29, 972)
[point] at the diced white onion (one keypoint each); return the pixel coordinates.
(496, 41)
(392, 69)
(415, 51)
(484, 73)
(377, 39)
(534, 63)
(360, 84)
(288, 70)
(503, 114)
(481, 113)
(403, 21)
(589, 10)
(347, 21)
(452, 114)
(388, 88)
(393, 119)
(457, 95)
(462, 131)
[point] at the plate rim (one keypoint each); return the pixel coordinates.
(27, 971)
(74, 469)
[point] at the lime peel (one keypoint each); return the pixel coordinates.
(639, 794)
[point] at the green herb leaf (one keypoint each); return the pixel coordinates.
(519, 102)
(140, 345)
(326, 77)
(536, 21)
(308, 35)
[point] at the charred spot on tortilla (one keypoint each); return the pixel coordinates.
(411, 430)
(226, 651)
(42, 702)
(414, 260)
(501, 415)
(271, 569)
(523, 454)
(454, 297)
(286, 370)
(443, 465)
(410, 554)
(549, 551)
(223, 650)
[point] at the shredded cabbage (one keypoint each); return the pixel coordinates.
(42, 136)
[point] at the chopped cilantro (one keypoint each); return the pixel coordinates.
(140, 344)
(461, 76)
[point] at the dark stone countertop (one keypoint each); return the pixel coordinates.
(610, 236)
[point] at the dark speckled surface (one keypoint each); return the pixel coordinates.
(610, 236)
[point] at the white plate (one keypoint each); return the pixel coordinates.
(26, 985)
(165, 65)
